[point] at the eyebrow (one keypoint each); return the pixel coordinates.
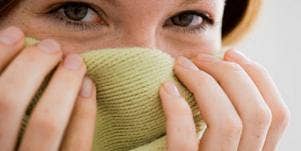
(184, 2)
(113, 2)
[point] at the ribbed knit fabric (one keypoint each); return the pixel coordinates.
(129, 110)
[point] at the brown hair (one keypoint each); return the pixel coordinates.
(239, 16)
(6, 5)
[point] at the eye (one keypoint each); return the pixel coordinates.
(78, 12)
(190, 21)
(79, 15)
(187, 19)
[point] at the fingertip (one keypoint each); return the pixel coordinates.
(166, 100)
(236, 56)
(173, 105)
(87, 97)
(229, 53)
(87, 88)
(186, 63)
(73, 61)
(203, 59)
(12, 36)
(169, 92)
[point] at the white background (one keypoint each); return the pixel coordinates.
(275, 42)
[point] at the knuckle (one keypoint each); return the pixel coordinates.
(262, 117)
(282, 117)
(232, 127)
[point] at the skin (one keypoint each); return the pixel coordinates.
(254, 116)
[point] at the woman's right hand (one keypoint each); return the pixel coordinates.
(22, 70)
(236, 97)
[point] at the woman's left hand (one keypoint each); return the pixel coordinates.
(237, 99)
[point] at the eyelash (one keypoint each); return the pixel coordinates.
(55, 14)
(207, 21)
(78, 25)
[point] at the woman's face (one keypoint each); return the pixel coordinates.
(178, 27)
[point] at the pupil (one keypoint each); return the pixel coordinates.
(183, 19)
(76, 11)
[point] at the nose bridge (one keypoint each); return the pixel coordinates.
(140, 26)
(139, 34)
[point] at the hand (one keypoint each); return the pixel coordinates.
(22, 72)
(237, 99)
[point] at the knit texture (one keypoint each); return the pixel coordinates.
(129, 111)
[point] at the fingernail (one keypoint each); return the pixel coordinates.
(205, 58)
(49, 46)
(236, 55)
(73, 61)
(11, 35)
(186, 63)
(171, 89)
(86, 89)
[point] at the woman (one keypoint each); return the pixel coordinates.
(254, 114)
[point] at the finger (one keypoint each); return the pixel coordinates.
(80, 131)
(254, 112)
(11, 42)
(223, 123)
(50, 117)
(180, 129)
(270, 93)
(18, 84)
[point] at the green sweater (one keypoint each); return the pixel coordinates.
(129, 111)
